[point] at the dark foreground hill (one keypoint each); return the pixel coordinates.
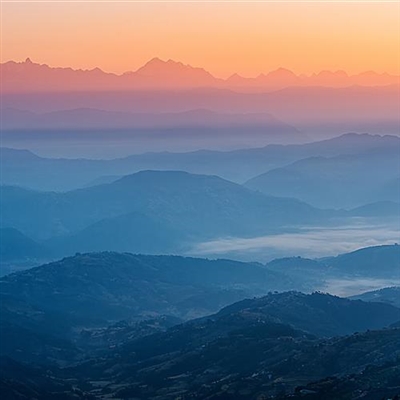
(106, 287)
(246, 366)
(43, 307)
(374, 383)
(287, 368)
(25, 382)
(318, 314)
(63, 319)
(237, 353)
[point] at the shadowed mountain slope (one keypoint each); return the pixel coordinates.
(390, 295)
(338, 182)
(195, 206)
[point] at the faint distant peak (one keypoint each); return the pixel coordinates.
(156, 66)
(236, 76)
(352, 138)
(282, 72)
(29, 63)
(154, 62)
(338, 73)
(372, 74)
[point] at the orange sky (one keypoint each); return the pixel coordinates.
(224, 38)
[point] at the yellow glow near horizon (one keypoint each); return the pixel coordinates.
(224, 38)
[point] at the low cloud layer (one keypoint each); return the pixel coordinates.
(317, 242)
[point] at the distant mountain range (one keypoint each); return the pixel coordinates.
(164, 211)
(169, 211)
(370, 261)
(87, 118)
(157, 212)
(189, 106)
(16, 246)
(23, 168)
(375, 262)
(158, 74)
(165, 207)
(341, 181)
(314, 110)
(389, 295)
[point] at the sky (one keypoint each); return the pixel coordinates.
(223, 37)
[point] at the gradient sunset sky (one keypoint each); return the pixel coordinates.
(222, 37)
